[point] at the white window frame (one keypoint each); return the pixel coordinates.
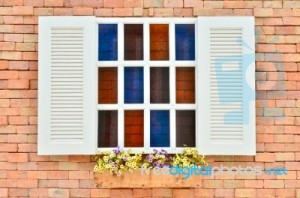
(146, 63)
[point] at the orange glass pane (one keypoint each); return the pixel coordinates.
(159, 42)
(134, 128)
(185, 85)
(108, 85)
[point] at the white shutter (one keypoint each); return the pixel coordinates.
(226, 86)
(67, 86)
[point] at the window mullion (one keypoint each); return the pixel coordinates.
(172, 85)
(147, 86)
(121, 135)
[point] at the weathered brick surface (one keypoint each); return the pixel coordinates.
(25, 174)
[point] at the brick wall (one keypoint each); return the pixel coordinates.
(23, 173)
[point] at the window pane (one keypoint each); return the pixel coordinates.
(185, 41)
(134, 85)
(185, 128)
(133, 47)
(185, 85)
(108, 85)
(108, 42)
(159, 42)
(134, 128)
(107, 128)
(159, 128)
(159, 86)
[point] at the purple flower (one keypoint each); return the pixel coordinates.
(163, 151)
(124, 159)
(117, 150)
(149, 158)
(155, 151)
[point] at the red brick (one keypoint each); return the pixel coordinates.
(43, 11)
(69, 183)
(292, 184)
(233, 183)
(11, 138)
(13, 37)
(54, 3)
(58, 192)
(245, 193)
(80, 192)
(38, 192)
(285, 193)
(37, 3)
(103, 12)
(204, 192)
(80, 175)
(173, 4)
(3, 120)
(93, 3)
(113, 4)
(274, 184)
(29, 56)
(159, 192)
(17, 192)
(114, 193)
(22, 10)
(213, 184)
(18, 84)
(265, 157)
(224, 192)
(18, 157)
(265, 193)
(123, 12)
(254, 183)
(133, 3)
(24, 29)
(3, 192)
(18, 65)
(141, 193)
(82, 11)
(194, 3)
(181, 193)
(37, 174)
(100, 192)
(68, 166)
(8, 46)
(20, 102)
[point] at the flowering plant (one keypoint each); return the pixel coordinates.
(119, 160)
(189, 157)
(159, 159)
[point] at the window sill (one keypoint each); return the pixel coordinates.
(137, 180)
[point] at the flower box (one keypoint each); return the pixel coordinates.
(136, 179)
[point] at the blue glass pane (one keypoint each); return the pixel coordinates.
(185, 41)
(134, 85)
(108, 42)
(159, 128)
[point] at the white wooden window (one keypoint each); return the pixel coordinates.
(69, 70)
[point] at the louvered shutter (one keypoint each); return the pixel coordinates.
(67, 86)
(226, 86)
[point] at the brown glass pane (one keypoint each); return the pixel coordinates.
(159, 86)
(159, 42)
(185, 85)
(108, 85)
(134, 128)
(185, 128)
(133, 46)
(107, 128)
